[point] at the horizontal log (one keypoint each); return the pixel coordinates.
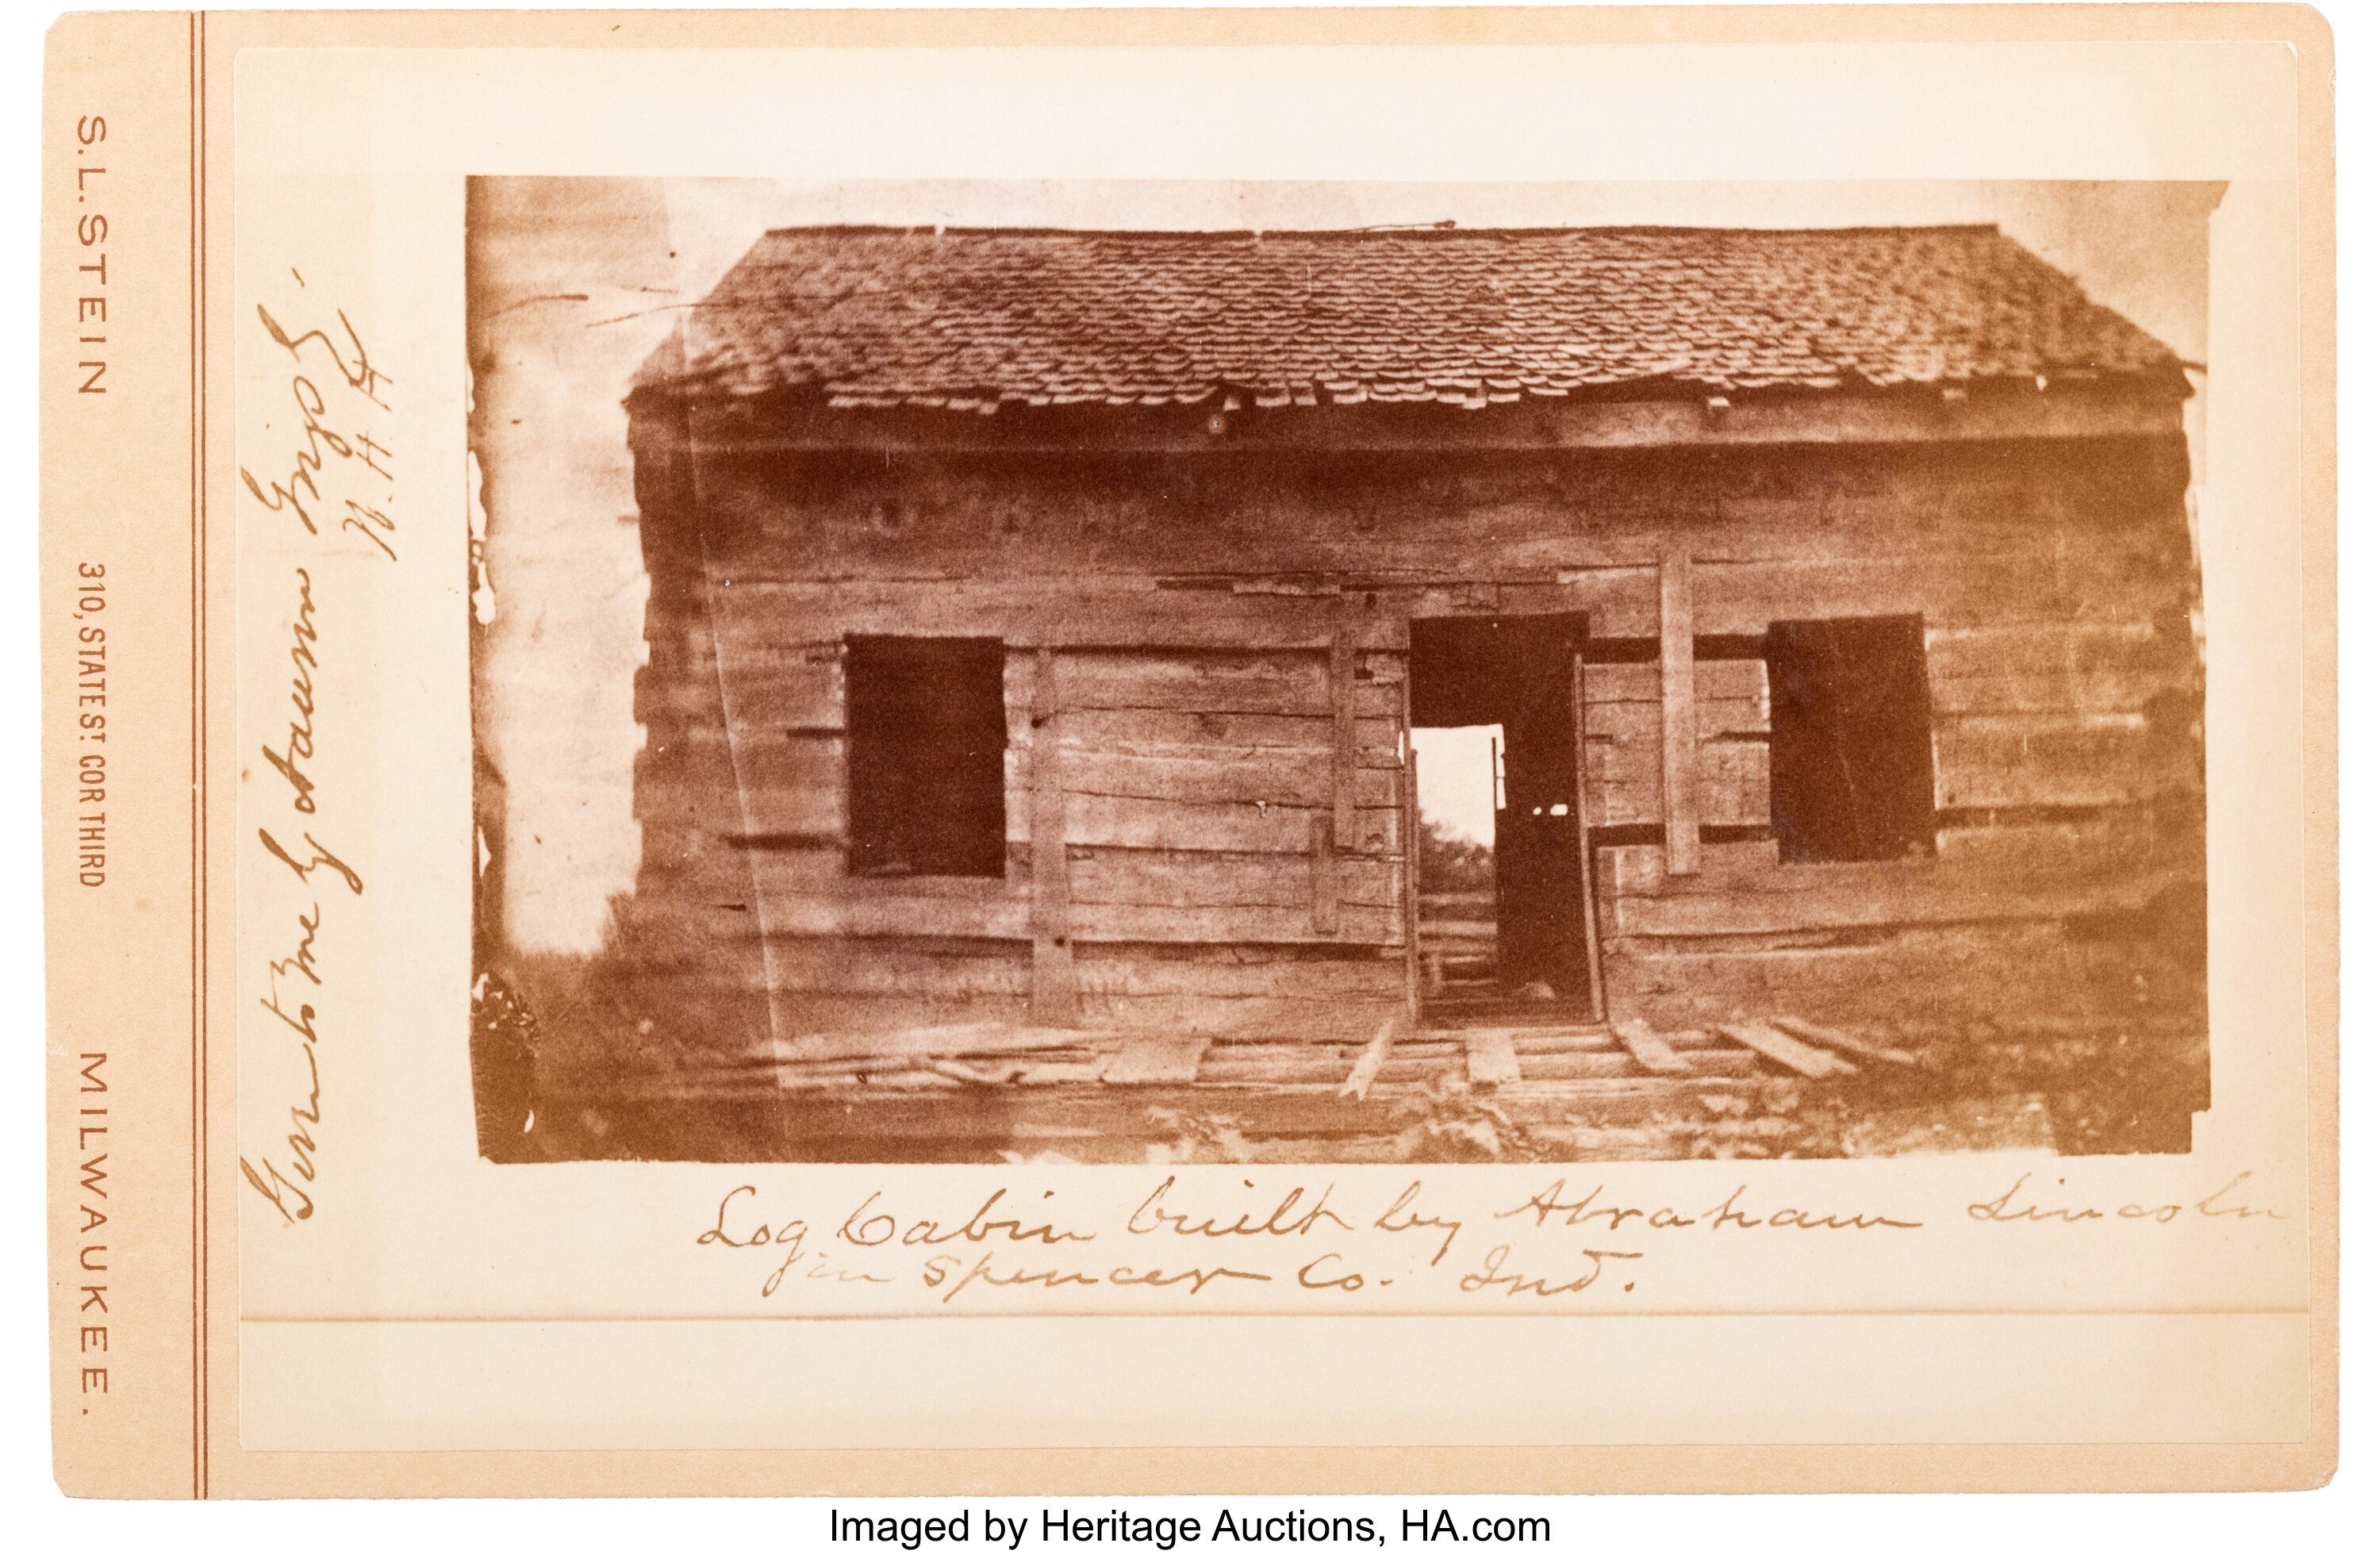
(2111, 842)
(773, 696)
(1156, 1059)
(1210, 774)
(1735, 784)
(1275, 685)
(757, 762)
(1097, 875)
(2061, 761)
(1103, 970)
(2050, 668)
(1127, 730)
(1947, 975)
(1622, 700)
(1743, 889)
(1009, 918)
(1032, 611)
(811, 810)
(2106, 583)
(801, 965)
(1149, 824)
(818, 1024)
(962, 523)
(1189, 878)
(1626, 784)
(2127, 648)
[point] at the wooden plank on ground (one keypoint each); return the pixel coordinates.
(1488, 1056)
(1850, 1044)
(1368, 1064)
(1652, 1052)
(1787, 1051)
(1156, 1058)
(953, 1041)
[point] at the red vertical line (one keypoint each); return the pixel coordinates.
(198, 1060)
(198, 744)
(206, 1280)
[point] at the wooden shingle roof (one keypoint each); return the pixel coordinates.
(978, 320)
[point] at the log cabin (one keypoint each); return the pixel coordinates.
(1040, 621)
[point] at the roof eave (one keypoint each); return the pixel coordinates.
(1677, 416)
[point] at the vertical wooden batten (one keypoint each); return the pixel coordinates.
(1332, 831)
(1588, 805)
(1053, 951)
(1680, 739)
(1323, 858)
(1342, 738)
(1409, 819)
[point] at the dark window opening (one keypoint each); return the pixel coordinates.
(928, 726)
(1850, 752)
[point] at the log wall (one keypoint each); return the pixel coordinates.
(1226, 638)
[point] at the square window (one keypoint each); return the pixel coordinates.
(926, 726)
(1851, 751)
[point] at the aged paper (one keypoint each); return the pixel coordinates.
(892, 753)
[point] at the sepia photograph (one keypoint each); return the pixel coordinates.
(1055, 752)
(1363, 673)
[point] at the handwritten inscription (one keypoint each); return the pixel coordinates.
(335, 430)
(1199, 1238)
(1188, 1236)
(340, 485)
(2026, 1201)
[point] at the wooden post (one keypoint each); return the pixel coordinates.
(1322, 876)
(1409, 821)
(1588, 805)
(1342, 741)
(1680, 740)
(1053, 951)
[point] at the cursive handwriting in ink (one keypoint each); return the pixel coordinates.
(321, 858)
(290, 1199)
(1413, 1219)
(2012, 1205)
(1491, 1274)
(868, 1229)
(334, 428)
(1154, 1213)
(298, 746)
(1548, 1206)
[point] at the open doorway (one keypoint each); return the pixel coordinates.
(1502, 686)
(1459, 782)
